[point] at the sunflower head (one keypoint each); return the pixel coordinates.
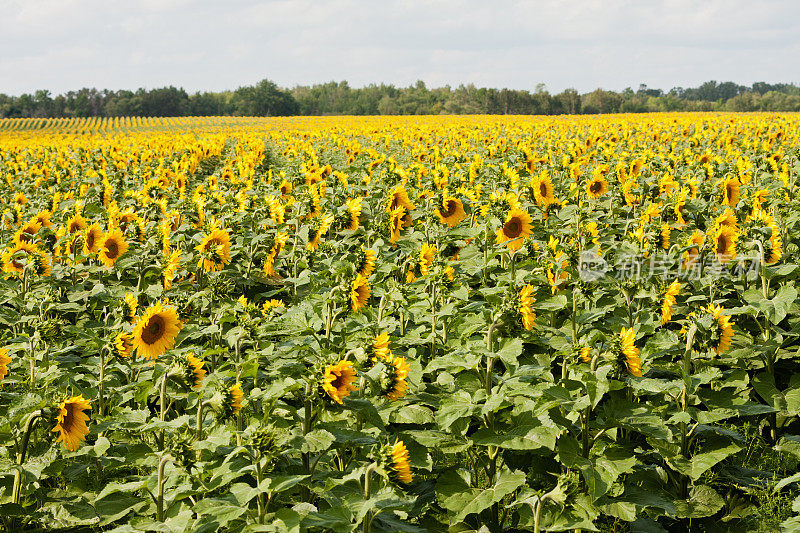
(451, 212)
(156, 330)
(231, 401)
(5, 360)
(526, 313)
(515, 229)
(597, 186)
(338, 381)
(71, 422)
(123, 345)
(396, 459)
(359, 293)
(215, 250)
(393, 378)
(629, 353)
(192, 370)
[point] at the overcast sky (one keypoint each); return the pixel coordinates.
(63, 45)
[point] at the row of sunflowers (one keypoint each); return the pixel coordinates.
(399, 323)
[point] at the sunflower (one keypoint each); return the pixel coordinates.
(111, 247)
(724, 332)
(71, 422)
(170, 269)
(514, 230)
(725, 243)
(193, 370)
(395, 376)
(525, 307)
(397, 461)
(123, 345)
(366, 263)
(5, 360)
(323, 224)
(359, 293)
(380, 347)
(669, 301)
(231, 401)
(426, 256)
(285, 187)
(155, 332)
(680, 205)
(76, 224)
(452, 211)
(354, 210)
(16, 258)
(215, 250)
(731, 192)
(775, 245)
(664, 235)
(338, 379)
(277, 245)
(542, 187)
(630, 352)
(696, 242)
(396, 218)
(585, 354)
(91, 239)
(399, 198)
(597, 186)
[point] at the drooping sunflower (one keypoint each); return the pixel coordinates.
(338, 380)
(396, 218)
(231, 401)
(123, 345)
(395, 378)
(76, 224)
(585, 354)
(397, 457)
(22, 254)
(155, 332)
(399, 198)
(669, 301)
(427, 253)
(724, 332)
(215, 250)
(696, 242)
(322, 226)
(597, 186)
(170, 269)
(91, 239)
(359, 293)
(725, 243)
(269, 262)
(526, 307)
(366, 263)
(5, 360)
(629, 352)
(664, 236)
(731, 188)
(354, 210)
(516, 227)
(112, 245)
(380, 347)
(194, 371)
(452, 211)
(71, 422)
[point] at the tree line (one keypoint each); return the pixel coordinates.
(338, 98)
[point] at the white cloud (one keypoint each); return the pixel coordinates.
(205, 45)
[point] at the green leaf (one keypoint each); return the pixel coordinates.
(317, 441)
(458, 497)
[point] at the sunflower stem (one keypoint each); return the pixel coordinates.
(367, 487)
(100, 385)
(161, 481)
(433, 319)
(22, 455)
(163, 404)
(307, 422)
(260, 498)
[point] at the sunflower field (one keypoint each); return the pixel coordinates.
(471, 323)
